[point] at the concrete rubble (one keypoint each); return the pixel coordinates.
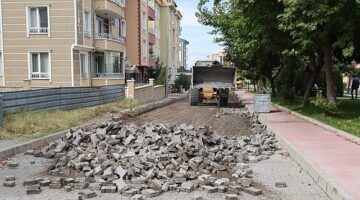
(144, 161)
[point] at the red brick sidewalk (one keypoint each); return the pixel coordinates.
(337, 159)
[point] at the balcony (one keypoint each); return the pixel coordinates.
(152, 38)
(151, 13)
(106, 41)
(111, 9)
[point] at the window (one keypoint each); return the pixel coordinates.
(40, 65)
(144, 21)
(84, 65)
(115, 63)
(87, 24)
(123, 28)
(144, 50)
(38, 20)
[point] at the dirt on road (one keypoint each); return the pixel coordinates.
(203, 115)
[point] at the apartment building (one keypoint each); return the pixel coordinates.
(219, 56)
(170, 31)
(139, 38)
(62, 43)
(183, 54)
(154, 29)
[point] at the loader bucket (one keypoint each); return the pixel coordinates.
(215, 76)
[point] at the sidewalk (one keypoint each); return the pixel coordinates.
(335, 160)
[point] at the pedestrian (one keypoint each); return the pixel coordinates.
(355, 86)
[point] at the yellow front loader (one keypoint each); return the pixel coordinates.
(211, 82)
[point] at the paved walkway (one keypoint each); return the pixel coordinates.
(338, 158)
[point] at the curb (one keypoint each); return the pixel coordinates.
(327, 183)
(37, 143)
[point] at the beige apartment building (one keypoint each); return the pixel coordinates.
(170, 31)
(62, 43)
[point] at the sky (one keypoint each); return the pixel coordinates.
(201, 42)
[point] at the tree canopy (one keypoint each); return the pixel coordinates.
(272, 37)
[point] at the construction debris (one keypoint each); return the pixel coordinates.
(144, 161)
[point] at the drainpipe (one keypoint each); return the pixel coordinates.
(93, 42)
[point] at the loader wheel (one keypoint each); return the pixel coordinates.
(222, 101)
(194, 97)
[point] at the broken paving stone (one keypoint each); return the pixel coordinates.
(90, 195)
(281, 184)
(187, 186)
(252, 190)
(158, 157)
(108, 189)
(231, 197)
(137, 197)
(45, 183)
(197, 197)
(55, 186)
(68, 188)
(33, 189)
(81, 185)
(121, 185)
(9, 184)
(246, 182)
(29, 182)
(12, 164)
(10, 178)
(222, 182)
(156, 184)
(131, 192)
(150, 193)
(209, 189)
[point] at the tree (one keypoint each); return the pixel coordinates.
(154, 72)
(182, 81)
(324, 25)
(251, 33)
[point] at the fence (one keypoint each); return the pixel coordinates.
(59, 98)
(145, 94)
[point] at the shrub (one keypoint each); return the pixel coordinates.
(182, 81)
(321, 102)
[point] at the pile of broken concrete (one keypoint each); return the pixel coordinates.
(145, 161)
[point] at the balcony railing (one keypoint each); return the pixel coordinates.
(39, 75)
(118, 2)
(109, 37)
(108, 75)
(36, 30)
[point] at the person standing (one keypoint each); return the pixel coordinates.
(355, 86)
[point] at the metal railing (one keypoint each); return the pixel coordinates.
(109, 37)
(39, 75)
(108, 75)
(36, 30)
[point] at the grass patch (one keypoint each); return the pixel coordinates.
(348, 118)
(37, 124)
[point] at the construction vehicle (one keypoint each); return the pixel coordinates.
(210, 81)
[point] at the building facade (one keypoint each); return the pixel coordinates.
(219, 56)
(140, 37)
(183, 54)
(62, 43)
(170, 31)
